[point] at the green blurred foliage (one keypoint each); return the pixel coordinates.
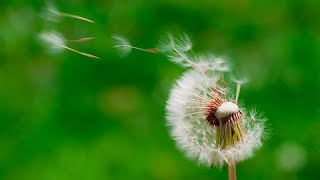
(66, 116)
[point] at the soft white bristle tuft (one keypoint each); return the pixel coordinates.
(169, 43)
(53, 40)
(122, 44)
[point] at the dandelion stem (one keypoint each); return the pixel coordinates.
(79, 52)
(75, 17)
(232, 171)
(81, 39)
(238, 91)
(150, 50)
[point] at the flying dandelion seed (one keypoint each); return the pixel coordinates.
(55, 43)
(52, 13)
(169, 43)
(48, 12)
(124, 46)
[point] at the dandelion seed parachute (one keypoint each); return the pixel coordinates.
(169, 43)
(52, 13)
(122, 44)
(176, 48)
(187, 113)
(53, 40)
(56, 43)
(210, 62)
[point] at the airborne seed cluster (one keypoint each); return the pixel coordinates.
(52, 39)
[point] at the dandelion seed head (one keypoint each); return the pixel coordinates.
(226, 109)
(206, 121)
(187, 108)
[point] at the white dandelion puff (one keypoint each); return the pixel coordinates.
(206, 126)
(55, 43)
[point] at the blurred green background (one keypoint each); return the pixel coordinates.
(66, 116)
